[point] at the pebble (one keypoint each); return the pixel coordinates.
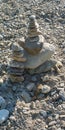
(52, 123)
(45, 89)
(1, 37)
(26, 96)
(1, 81)
(62, 95)
(2, 103)
(43, 113)
(30, 86)
(32, 105)
(3, 115)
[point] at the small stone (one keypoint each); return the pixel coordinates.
(62, 84)
(62, 95)
(2, 103)
(1, 37)
(43, 113)
(30, 86)
(1, 81)
(44, 88)
(26, 96)
(12, 118)
(52, 123)
(3, 115)
(32, 105)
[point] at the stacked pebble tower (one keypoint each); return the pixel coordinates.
(16, 66)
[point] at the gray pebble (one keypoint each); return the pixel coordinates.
(26, 96)
(43, 113)
(3, 115)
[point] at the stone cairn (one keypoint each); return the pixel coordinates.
(16, 66)
(30, 52)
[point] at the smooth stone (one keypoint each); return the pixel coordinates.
(52, 123)
(32, 17)
(62, 95)
(30, 86)
(2, 103)
(3, 115)
(43, 113)
(44, 88)
(44, 55)
(26, 96)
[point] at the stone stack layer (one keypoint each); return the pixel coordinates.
(16, 66)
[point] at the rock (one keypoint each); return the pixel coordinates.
(62, 95)
(43, 113)
(30, 86)
(1, 37)
(26, 96)
(1, 81)
(2, 103)
(37, 60)
(32, 105)
(44, 88)
(3, 115)
(52, 123)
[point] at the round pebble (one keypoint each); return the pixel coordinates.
(3, 115)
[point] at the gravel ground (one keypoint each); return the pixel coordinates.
(44, 111)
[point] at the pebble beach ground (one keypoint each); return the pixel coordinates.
(21, 106)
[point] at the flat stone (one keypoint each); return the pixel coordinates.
(2, 103)
(44, 55)
(46, 66)
(26, 96)
(15, 70)
(16, 64)
(3, 115)
(16, 78)
(19, 59)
